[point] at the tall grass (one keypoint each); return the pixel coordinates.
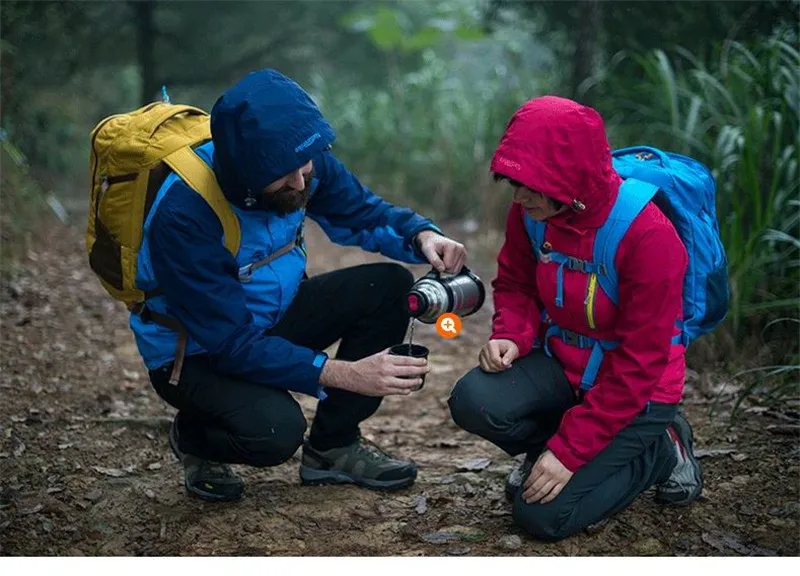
(22, 202)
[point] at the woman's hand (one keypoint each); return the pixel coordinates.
(547, 479)
(497, 355)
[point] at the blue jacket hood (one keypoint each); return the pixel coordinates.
(264, 128)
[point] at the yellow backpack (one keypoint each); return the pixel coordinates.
(131, 155)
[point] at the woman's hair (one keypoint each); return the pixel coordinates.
(500, 178)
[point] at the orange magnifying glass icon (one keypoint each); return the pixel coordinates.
(448, 325)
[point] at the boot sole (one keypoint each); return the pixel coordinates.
(209, 496)
(686, 436)
(315, 477)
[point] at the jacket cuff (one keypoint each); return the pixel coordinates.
(318, 364)
(412, 239)
(563, 451)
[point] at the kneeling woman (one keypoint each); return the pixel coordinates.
(597, 429)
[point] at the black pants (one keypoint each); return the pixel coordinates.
(520, 409)
(227, 419)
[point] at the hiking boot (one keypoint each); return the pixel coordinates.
(517, 478)
(361, 463)
(205, 479)
(685, 484)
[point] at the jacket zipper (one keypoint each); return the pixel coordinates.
(591, 290)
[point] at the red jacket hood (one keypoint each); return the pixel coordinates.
(559, 148)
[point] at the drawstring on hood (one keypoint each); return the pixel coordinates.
(559, 148)
(264, 128)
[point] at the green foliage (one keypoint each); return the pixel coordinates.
(21, 203)
(427, 138)
(640, 26)
(393, 28)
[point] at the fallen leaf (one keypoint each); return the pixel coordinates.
(787, 510)
(739, 457)
(65, 446)
(420, 504)
(455, 534)
(746, 510)
(31, 510)
(94, 495)
(115, 472)
(130, 375)
(149, 493)
(443, 444)
(55, 489)
(649, 547)
(154, 466)
(476, 464)
(442, 480)
(756, 409)
(119, 432)
(784, 429)
(512, 542)
(713, 452)
(721, 541)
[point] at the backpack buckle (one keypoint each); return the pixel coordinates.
(577, 264)
(245, 273)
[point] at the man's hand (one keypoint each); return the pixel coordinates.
(497, 355)
(381, 374)
(547, 479)
(444, 254)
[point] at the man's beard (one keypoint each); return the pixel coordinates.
(287, 200)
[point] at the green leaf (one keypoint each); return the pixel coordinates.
(425, 38)
(389, 29)
(469, 33)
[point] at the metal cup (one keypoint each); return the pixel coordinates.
(417, 351)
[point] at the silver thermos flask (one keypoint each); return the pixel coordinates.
(433, 295)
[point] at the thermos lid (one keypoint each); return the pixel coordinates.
(416, 303)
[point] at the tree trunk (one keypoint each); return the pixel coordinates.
(145, 48)
(586, 46)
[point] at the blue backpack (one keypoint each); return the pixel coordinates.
(685, 191)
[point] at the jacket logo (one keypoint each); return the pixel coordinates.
(308, 142)
(509, 163)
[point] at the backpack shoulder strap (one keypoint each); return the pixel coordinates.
(633, 196)
(536, 232)
(200, 177)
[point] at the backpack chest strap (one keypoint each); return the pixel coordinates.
(570, 262)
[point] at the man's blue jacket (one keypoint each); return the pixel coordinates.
(264, 128)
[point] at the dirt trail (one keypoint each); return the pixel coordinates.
(85, 468)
